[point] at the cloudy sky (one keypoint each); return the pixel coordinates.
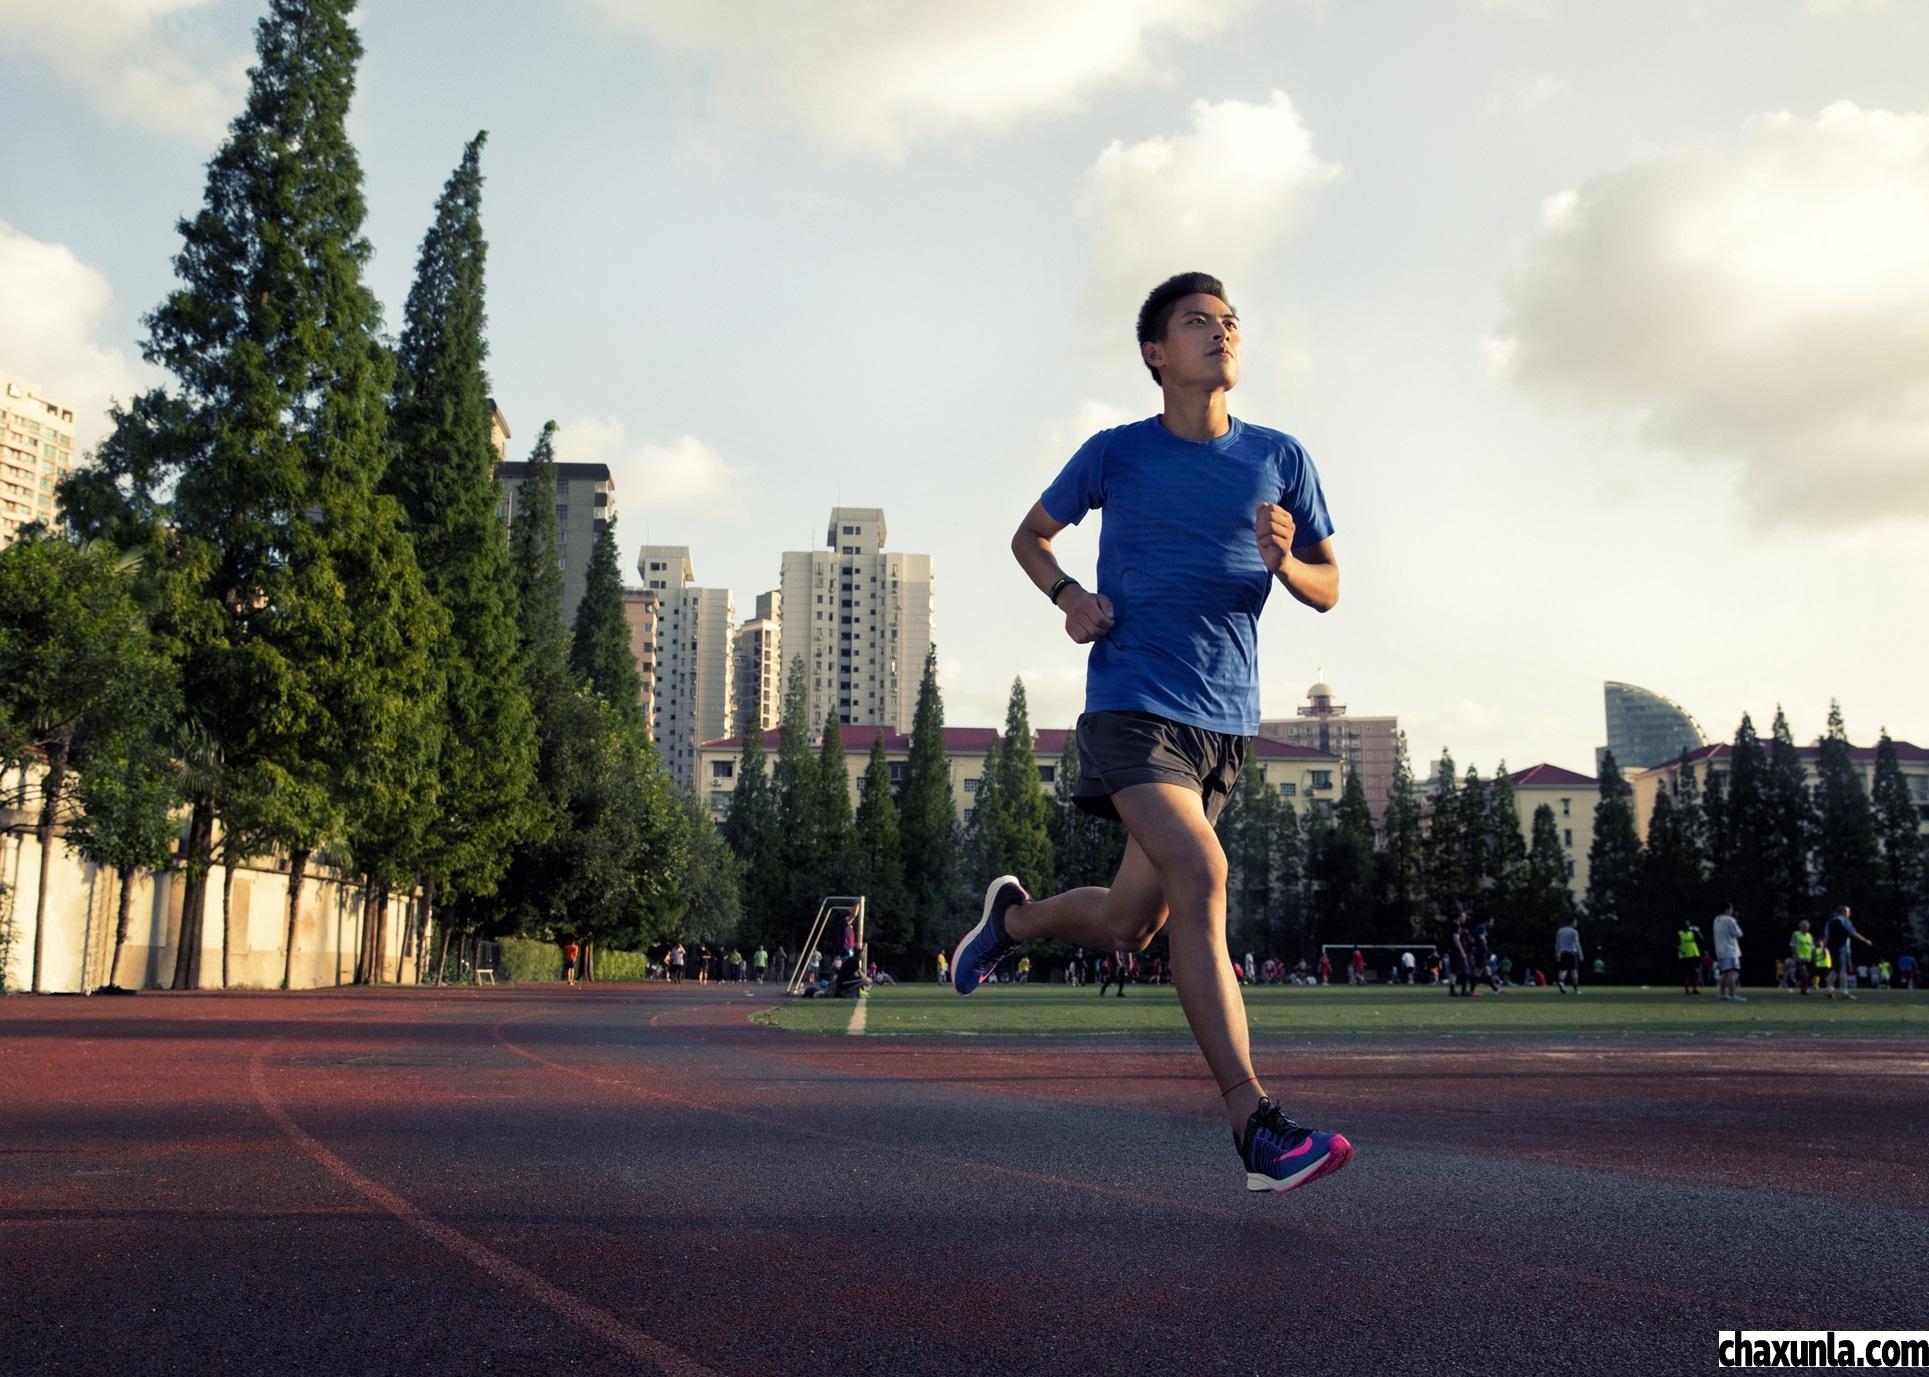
(1608, 325)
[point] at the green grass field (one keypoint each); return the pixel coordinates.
(1339, 1011)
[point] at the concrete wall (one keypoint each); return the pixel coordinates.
(81, 905)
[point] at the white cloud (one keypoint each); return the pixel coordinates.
(1059, 439)
(1529, 96)
(680, 474)
(1209, 200)
(1528, 9)
(140, 62)
(1764, 304)
(872, 80)
(50, 330)
(1841, 6)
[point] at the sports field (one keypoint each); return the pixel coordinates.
(642, 1179)
(1339, 1011)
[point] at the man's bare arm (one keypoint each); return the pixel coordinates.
(1312, 575)
(1088, 615)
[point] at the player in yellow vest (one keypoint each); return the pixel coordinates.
(1688, 951)
(1801, 948)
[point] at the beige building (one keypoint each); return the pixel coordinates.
(1365, 744)
(759, 673)
(36, 452)
(860, 619)
(1717, 759)
(498, 431)
(690, 688)
(1572, 798)
(639, 610)
(1309, 779)
(585, 501)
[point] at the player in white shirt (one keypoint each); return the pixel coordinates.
(1728, 955)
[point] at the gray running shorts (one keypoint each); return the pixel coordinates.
(1119, 749)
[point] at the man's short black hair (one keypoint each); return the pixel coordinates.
(1155, 317)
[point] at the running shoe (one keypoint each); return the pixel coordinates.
(980, 950)
(1280, 1155)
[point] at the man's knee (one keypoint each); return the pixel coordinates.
(1195, 880)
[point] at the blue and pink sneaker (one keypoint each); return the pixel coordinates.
(980, 950)
(1282, 1156)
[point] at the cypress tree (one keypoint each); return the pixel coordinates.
(1506, 856)
(535, 557)
(1791, 836)
(1449, 886)
(881, 858)
(1246, 828)
(1401, 862)
(1476, 843)
(837, 837)
(1544, 901)
(1898, 827)
(1672, 886)
(751, 830)
(928, 819)
(1748, 830)
(1086, 850)
(1848, 860)
(275, 437)
(1019, 842)
(1343, 865)
(599, 648)
(1613, 861)
(1287, 933)
(794, 782)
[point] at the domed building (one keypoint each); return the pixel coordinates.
(1363, 744)
(1644, 728)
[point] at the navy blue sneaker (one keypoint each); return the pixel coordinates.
(980, 950)
(1282, 1156)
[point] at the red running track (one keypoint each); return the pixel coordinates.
(623, 1179)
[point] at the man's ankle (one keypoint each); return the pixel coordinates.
(1241, 1101)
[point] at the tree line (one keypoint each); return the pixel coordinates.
(285, 606)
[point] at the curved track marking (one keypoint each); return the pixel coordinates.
(604, 1325)
(1459, 1250)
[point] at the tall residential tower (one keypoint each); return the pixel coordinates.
(36, 452)
(690, 697)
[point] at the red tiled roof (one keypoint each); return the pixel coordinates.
(1545, 776)
(1046, 742)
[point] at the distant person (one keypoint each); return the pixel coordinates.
(1568, 957)
(1484, 961)
(1024, 970)
(1356, 968)
(762, 962)
(1408, 965)
(1325, 970)
(675, 963)
(1687, 950)
(1839, 936)
(847, 935)
(703, 963)
(944, 969)
(1727, 934)
(737, 964)
(1116, 971)
(783, 963)
(1801, 956)
(570, 953)
(1461, 957)
(1906, 971)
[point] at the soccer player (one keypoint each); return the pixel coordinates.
(1838, 939)
(1567, 956)
(1204, 515)
(1801, 953)
(1727, 934)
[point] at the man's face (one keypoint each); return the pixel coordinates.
(1201, 345)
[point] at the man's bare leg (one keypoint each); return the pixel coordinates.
(1174, 862)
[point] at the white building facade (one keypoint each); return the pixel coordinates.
(859, 617)
(690, 696)
(759, 666)
(36, 452)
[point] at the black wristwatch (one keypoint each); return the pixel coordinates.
(1064, 581)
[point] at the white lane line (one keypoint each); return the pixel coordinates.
(859, 1015)
(604, 1325)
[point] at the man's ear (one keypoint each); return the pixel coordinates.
(1153, 352)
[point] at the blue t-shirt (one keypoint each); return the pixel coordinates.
(1178, 560)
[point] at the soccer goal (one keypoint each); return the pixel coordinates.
(834, 909)
(1341, 954)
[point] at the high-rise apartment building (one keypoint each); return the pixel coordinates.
(639, 610)
(692, 698)
(860, 618)
(36, 452)
(1366, 744)
(585, 501)
(759, 670)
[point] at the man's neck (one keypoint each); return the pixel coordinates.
(1196, 415)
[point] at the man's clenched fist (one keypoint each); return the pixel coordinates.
(1274, 528)
(1087, 615)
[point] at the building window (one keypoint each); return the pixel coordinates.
(971, 786)
(1047, 773)
(1288, 790)
(1567, 807)
(897, 771)
(723, 769)
(1570, 870)
(1322, 779)
(1567, 836)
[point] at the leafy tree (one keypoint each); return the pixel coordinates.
(1544, 902)
(1086, 849)
(1613, 861)
(127, 819)
(928, 818)
(82, 684)
(1288, 900)
(443, 474)
(1451, 886)
(1343, 864)
(1747, 829)
(1672, 884)
(799, 806)
(881, 859)
(707, 905)
(1505, 855)
(1246, 830)
(1898, 826)
(1848, 856)
(599, 650)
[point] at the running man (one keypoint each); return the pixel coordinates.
(1204, 513)
(1567, 956)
